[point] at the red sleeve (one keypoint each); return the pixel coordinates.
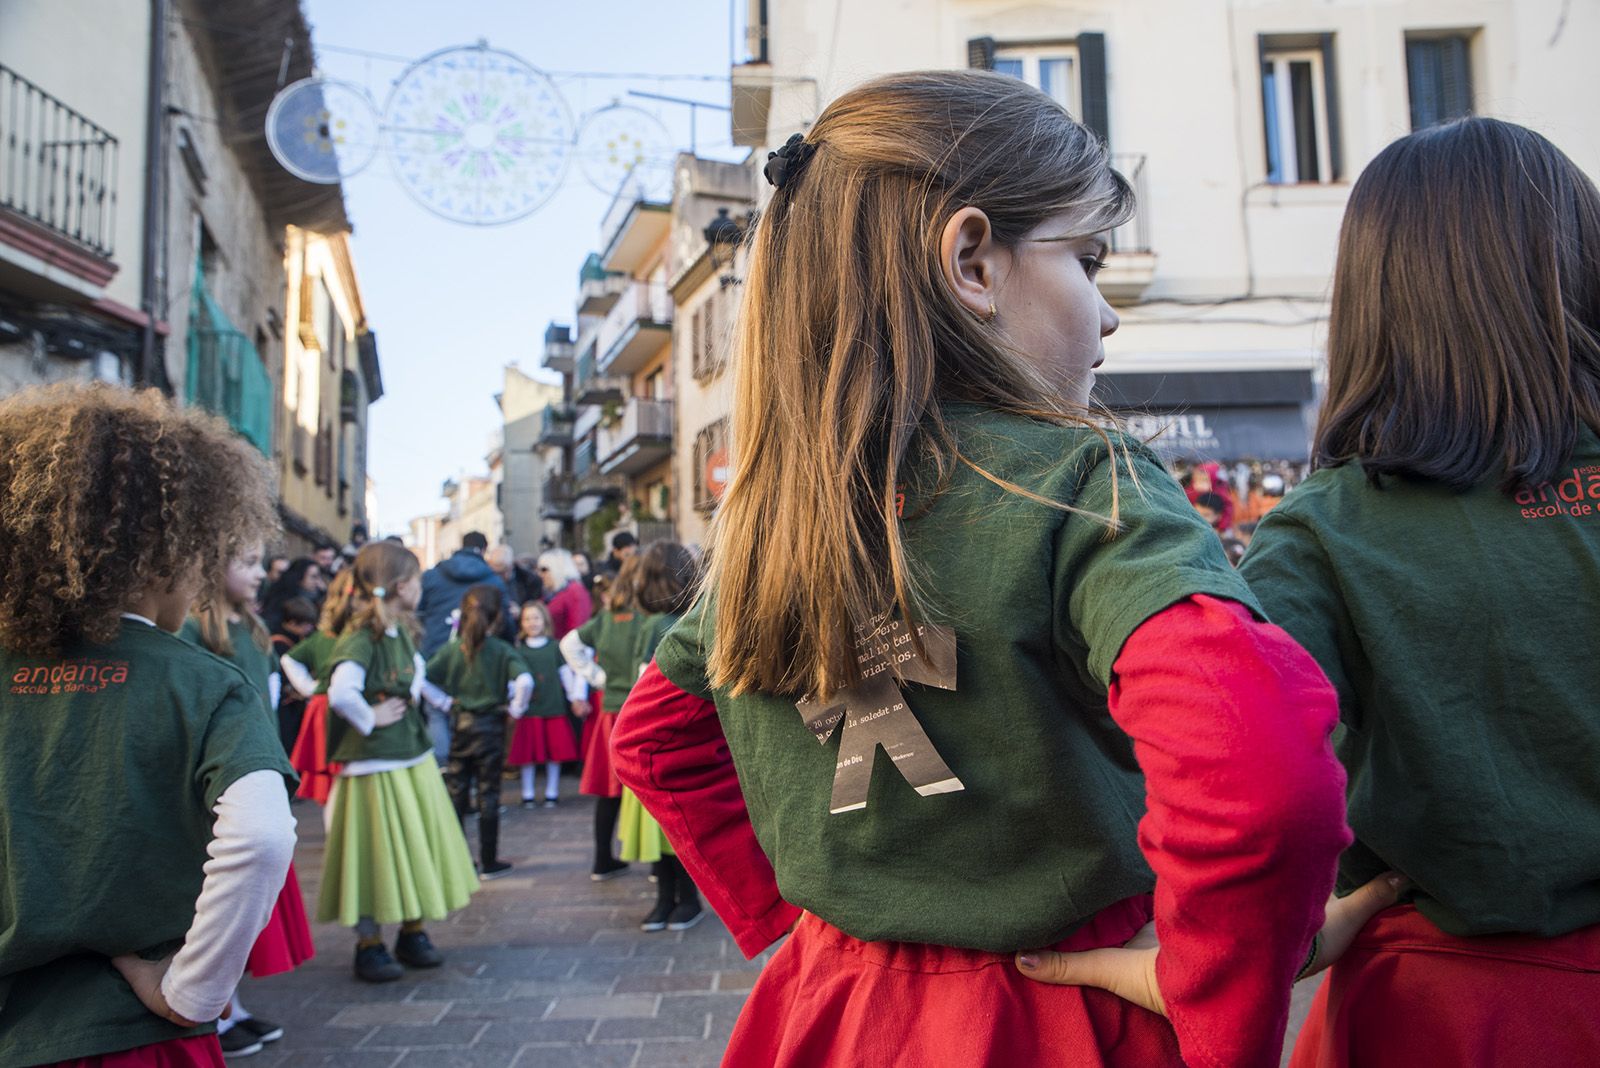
(1244, 819)
(668, 749)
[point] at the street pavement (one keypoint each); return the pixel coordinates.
(544, 969)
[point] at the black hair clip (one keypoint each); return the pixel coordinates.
(784, 165)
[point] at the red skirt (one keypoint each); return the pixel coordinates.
(540, 739)
(599, 778)
(1406, 994)
(285, 943)
(826, 998)
(201, 1051)
(310, 755)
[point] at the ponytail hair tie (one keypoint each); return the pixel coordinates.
(379, 592)
(785, 165)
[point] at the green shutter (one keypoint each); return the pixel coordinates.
(980, 53)
(1092, 84)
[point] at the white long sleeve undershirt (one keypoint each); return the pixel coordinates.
(580, 658)
(297, 675)
(519, 693)
(347, 698)
(252, 845)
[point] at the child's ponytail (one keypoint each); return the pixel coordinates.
(480, 617)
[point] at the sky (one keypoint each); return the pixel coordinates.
(453, 304)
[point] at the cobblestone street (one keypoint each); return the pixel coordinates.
(545, 967)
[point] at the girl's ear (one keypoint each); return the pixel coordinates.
(971, 261)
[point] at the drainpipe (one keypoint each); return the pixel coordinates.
(149, 373)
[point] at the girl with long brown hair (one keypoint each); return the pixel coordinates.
(948, 622)
(306, 668)
(604, 653)
(1443, 565)
(224, 622)
(484, 680)
(395, 851)
(144, 827)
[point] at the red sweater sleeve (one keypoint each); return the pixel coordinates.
(668, 749)
(1244, 820)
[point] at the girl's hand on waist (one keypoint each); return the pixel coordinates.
(145, 976)
(389, 711)
(1130, 971)
(581, 709)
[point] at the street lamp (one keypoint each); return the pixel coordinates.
(723, 235)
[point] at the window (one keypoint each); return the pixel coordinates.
(1439, 77)
(1299, 103)
(1050, 68)
(710, 336)
(710, 465)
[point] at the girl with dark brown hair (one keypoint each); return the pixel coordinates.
(395, 851)
(306, 669)
(144, 828)
(1443, 565)
(958, 639)
(485, 680)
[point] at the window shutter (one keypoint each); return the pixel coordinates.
(694, 343)
(1455, 78)
(980, 53)
(1092, 84)
(1330, 88)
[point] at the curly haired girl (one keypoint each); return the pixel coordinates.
(144, 753)
(395, 849)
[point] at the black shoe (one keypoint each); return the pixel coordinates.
(494, 869)
(374, 964)
(415, 950)
(528, 802)
(265, 1030)
(685, 916)
(657, 920)
(608, 870)
(550, 802)
(237, 1042)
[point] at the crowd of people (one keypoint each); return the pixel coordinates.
(966, 703)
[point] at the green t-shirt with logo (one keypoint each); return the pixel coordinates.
(1042, 833)
(112, 758)
(1457, 628)
(390, 663)
(481, 684)
(614, 637)
(544, 664)
(315, 651)
(247, 656)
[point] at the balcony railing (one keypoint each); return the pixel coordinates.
(559, 492)
(555, 425)
(635, 328)
(1133, 235)
(56, 167)
(591, 387)
(641, 438)
(558, 347)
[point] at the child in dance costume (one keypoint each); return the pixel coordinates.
(226, 625)
(544, 735)
(144, 827)
(395, 850)
(604, 653)
(1443, 565)
(306, 668)
(930, 547)
(299, 623)
(483, 679)
(666, 586)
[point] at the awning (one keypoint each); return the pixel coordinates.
(1215, 415)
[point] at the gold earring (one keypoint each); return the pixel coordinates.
(993, 312)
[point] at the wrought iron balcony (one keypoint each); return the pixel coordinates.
(57, 168)
(595, 388)
(559, 492)
(1131, 265)
(555, 425)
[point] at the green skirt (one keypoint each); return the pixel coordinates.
(395, 849)
(639, 832)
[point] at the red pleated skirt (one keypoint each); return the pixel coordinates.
(285, 943)
(1407, 994)
(540, 739)
(202, 1051)
(599, 778)
(828, 999)
(310, 755)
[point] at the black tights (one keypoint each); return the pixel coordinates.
(605, 829)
